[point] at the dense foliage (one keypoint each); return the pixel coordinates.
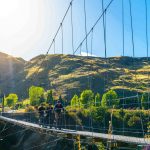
(110, 99)
(75, 101)
(87, 98)
(145, 101)
(49, 98)
(36, 95)
(11, 100)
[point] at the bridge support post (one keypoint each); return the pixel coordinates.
(111, 145)
(78, 142)
(108, 145)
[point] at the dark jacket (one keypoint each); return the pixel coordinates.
(49, 111)
(41, 110)
(58, 108)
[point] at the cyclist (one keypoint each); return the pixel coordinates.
(58, 109)
(49, 115)
(41, 111)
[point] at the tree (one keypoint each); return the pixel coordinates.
(36, 95)
(50, 98)
(99, 114)
(134, 121)
(145, 101)
(11, 100)
(97, 99)
(87, 98)
(101, 146)
(26, 102)
(41, 99)
(109, 99)
(75, 101)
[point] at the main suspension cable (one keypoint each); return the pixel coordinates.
(131, 21)
(133, 57)
(62, 36)
(97, 21)
(85, 23)
(72, 28)
(60, 25)
(104, 27)
(123, 26)
(53, 41)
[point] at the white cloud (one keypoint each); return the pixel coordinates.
(86, 54)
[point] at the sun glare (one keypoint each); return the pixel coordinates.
(21, 24)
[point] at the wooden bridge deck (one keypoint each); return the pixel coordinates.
(120, 138)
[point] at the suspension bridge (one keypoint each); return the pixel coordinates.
(108, 132)
(111, 137)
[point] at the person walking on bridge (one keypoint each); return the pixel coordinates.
(49, 115)
(41, 111)
(58, 109)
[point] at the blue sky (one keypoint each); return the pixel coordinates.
(28, 26)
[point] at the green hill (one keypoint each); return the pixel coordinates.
(67, 74)
(10, 67)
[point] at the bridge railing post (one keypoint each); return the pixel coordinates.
(78, 142)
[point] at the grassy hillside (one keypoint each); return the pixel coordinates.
(10, 67)
(67, 74)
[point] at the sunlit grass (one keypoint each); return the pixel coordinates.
(26, 102)
(140, 76)
(20, 111)
(33, 70)
(145, 69)
(146, 112)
